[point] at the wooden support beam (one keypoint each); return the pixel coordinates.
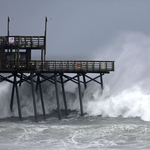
(25, 78)
(80, 96)
(101, 80)
(12, 98)
(64, 95)
(50, 79)
(57, 97)
(37, 83)
(20, 79)
(41, 94)
(84, 80)
(18, 100)
(71, 79)
(93, 79)
(42, 58)
(5, 79)
(33, 95)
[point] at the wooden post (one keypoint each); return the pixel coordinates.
(18, 101)
(17, 59)
(45, 37)
(8, 27)
(42, 59)
(57, 97)
(41, 94)
(33, 94)
(64, 95)
(85, 86)
(101, 80)
(12, 96)
(80, 96)
(42, 54)
(21, 79)
(37, 83)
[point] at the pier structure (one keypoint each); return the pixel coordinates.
(15, 59)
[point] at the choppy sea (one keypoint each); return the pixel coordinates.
(75, 132)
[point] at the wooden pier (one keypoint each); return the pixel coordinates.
(15, 59)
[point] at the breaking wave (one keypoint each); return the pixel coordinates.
(126, 91)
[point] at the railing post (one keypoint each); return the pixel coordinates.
(25, 42)
(38, 41)
(86, 66)
(18, 58)
(106, 65)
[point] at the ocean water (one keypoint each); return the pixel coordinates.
(75, 132)
(117, 118)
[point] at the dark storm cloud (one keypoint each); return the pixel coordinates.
(78, 27)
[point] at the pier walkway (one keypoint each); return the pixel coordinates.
(15, 59)
(57, 66)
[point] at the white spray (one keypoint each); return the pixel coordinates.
(127, 90)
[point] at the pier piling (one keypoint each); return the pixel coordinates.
(41, 95)
(80, 96)
(18, 100)
(12, 97)
(57, 97)
(84, 80)
(33, 95)
(101, 81)
(64, 95)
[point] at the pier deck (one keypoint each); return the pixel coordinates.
(57, 66)
(16, 59)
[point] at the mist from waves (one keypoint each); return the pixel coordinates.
(126, 90)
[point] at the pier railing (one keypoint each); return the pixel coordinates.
(22, 41)
(57, 66)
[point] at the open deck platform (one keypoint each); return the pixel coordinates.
(22, 42)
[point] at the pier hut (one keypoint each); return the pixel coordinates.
(15, 59)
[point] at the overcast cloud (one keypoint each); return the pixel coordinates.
(78, 27)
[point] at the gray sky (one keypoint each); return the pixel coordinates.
(78, 27)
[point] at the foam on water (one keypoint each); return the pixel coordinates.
(128, 103)
(65, 136)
